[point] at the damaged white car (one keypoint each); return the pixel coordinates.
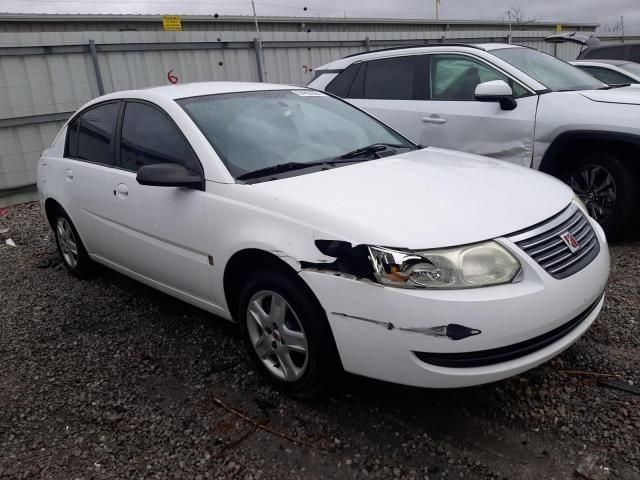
(332, 240)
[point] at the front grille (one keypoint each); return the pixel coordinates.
(510, 352)
(544, 244)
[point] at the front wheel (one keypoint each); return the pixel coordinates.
(286, 333)
(608, 188)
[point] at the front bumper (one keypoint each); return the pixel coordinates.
(379, 330)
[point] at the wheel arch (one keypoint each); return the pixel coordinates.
(50, 207)
(243, 262)
(620, 143)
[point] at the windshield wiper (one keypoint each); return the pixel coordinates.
(368, 150)
(346, 158)
(279, 168)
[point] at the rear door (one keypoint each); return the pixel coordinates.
(86, 172)
(160, 229)
(388, 89)
(453, 118)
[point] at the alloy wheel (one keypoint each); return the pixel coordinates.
(67, 242)
(277, 335)
(596, 188)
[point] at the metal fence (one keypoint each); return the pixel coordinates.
(44, 77)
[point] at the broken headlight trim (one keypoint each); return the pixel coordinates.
(472, 266)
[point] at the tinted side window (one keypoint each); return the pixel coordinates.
(455, 78)
(635, 54)
(340, 85)
(607, 76)
(95, 135)
(149, 136)
(612, 53)
(71, 147)
(390, 78)
(357, 88)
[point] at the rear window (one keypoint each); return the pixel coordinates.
(390, 78)
(90, 134)
(71, 149)
(617, 52)
(95, 136)
(610, 77)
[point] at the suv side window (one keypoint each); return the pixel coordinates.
(635, 54)
(90, 135)
(392, 78)
(455, 78)
(341, 84)
(607, 76)
(149, 136)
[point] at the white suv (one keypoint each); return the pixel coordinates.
(507, 102)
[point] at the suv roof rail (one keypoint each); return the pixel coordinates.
(417, 45)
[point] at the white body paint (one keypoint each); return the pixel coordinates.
(430, 198)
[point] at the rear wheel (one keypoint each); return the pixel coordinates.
(70, 247)
(286, 333)
(608, 188)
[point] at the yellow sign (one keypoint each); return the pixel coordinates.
(558, 27)
(172, 23)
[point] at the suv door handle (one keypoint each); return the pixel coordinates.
(434, 119)
(121, 190)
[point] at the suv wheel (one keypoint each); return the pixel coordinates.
(70, 247)
(606, 186)
(286, 333)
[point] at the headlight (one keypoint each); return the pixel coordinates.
(472, 266)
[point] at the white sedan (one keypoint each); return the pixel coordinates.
(332, 240)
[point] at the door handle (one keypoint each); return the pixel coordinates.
(121, 190)
(434, 119)
(68, 173)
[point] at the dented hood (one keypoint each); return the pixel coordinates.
(424, 199)
(628, 95)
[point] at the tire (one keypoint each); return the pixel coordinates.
(268, 338)
(70, 247)
(608, 187)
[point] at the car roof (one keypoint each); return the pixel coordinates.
(197, 89)
(425, 48)
(597, 60)
(411, 50)
(497, 46)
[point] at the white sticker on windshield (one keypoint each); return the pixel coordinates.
(308, 93)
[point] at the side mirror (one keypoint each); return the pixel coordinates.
(496, 91)
(169, 175)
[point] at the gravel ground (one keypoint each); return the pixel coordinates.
(106, 378)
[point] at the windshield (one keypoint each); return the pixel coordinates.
(631, 67)
(251, 131)
(551, 72)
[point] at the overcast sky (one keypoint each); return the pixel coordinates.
(605, 12)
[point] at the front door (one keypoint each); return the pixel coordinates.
(160, 229)
(453, 118)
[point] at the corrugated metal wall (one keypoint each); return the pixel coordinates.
(45, 76)
(127, 22)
